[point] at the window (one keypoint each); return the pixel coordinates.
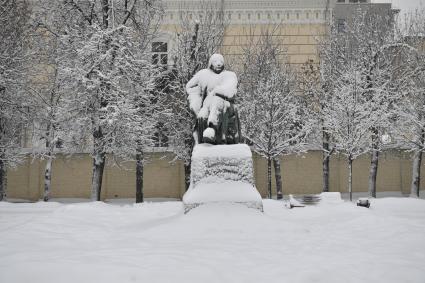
(341, 25)
(159, 53)
(59, 143)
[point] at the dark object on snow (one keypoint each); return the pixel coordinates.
(310, 199)
(363, 202)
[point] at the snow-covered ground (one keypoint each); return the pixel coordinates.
(156, 242)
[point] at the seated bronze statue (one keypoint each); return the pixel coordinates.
(211, 96)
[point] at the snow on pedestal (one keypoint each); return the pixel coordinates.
(222, 173)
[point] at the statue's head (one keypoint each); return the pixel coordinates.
(216, 63)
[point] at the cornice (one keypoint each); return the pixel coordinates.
(249, 4)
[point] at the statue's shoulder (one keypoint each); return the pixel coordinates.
(206, 75)
(204, 72)
(228, 75)
(229, 72)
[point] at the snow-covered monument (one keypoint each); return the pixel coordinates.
(222, 169)
(211, 94)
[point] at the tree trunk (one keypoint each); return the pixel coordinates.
(105, 16)
(350, 177)
(139, 176)
(373, 171)
(269, 177)
(98, 167)
(416, 170)
(416, 174)
(2, 180)
(187, 171)
(189, 143)
(47, 177)
(278, 177)
(325, 162)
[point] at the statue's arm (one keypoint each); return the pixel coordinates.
(194, 95)
(192, 83)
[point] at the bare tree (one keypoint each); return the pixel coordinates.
(316, 84)
(371, 37)
(358, 59)
(409, 113)
(14, 17)
(46, 99)
(349, 120)
(271, 111)
(109, 74)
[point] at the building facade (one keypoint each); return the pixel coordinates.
(299, 24)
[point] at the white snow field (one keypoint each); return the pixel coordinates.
(156, 242)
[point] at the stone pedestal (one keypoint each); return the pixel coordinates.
(222, 173)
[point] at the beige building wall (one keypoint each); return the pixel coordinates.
(301, 174)
(298, 41)
(71, 178)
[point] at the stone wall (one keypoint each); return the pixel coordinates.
(301, 175)
(71, 178)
